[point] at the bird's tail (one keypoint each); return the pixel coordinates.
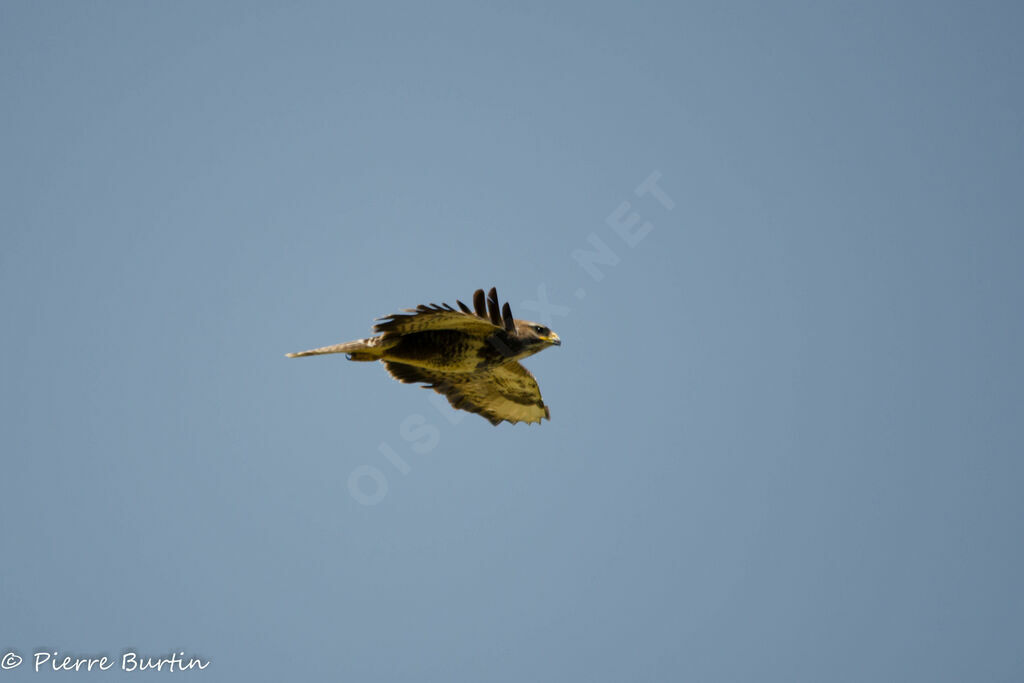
(361, 349)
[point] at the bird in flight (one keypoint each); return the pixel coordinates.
(469, 355)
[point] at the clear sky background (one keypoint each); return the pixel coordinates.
(786, 438)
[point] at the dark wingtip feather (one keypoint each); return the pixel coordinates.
(506, 313)
(480, 303)
(492, 306)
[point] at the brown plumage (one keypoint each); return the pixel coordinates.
(469, 355)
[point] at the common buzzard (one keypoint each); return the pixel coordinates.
(470, 356)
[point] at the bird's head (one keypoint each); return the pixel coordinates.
(535, 336)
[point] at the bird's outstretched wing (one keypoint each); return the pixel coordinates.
(507, 392)
(484, 319)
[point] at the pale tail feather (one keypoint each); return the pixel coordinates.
(361, 349)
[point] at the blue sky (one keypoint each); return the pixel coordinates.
(786, 427)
